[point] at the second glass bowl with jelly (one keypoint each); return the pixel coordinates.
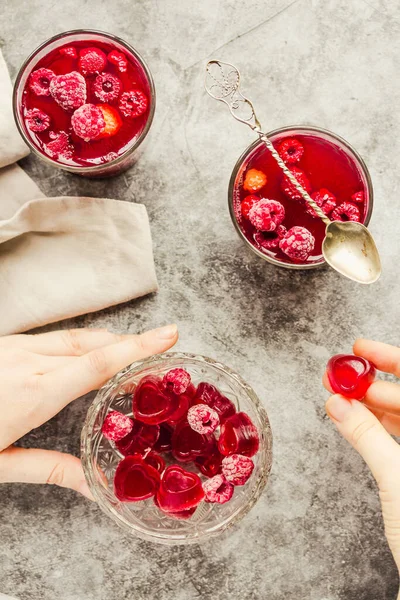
(270, 215)
(176, 449)
(84, 101)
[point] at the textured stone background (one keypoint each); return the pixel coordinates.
(316, 534)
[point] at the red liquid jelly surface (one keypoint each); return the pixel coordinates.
(326, 164)
(106, 147)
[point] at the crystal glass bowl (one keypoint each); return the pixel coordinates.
(144, 519)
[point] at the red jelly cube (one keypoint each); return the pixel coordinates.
(350, 375)
(187, 444)
(135, 480)
(238, 435)
(140, 440)
(209, 394)
(179, 490)
(151, 404)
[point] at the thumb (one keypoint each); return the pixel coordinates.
(366, 434)
(43, 466)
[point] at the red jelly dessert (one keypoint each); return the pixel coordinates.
(327, 168)
(211, 464)
(140, 440)
(350, 375)
(179, 490)
(164, 442)
(237, 468)
(239, 435)
(135, 480)
(116, 426)
(97, 91)
(218, 489)
(187, 444)
(208, 394)
(156, 461)
(151, 403)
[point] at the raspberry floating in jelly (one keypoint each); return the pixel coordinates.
(239, 435)
(177, 381)
(291, 151)
(179, 490)
(132, 104)
(358, 197)
(39, 81)
(346, 212)
(135, 480)
(116, 426)
(59, 146)
(69, 51)
(88, 122)
(208, 394)
(254, 180)
(119, 60)
(107, 87)
(151, 404)
(69, 91)
(141, 439)
(266, 215)
(297, 243)
(202, 418)
(247, 204)
(269, 240)
(37, 120)
(237, 468)
(325, 200)
(350, 375)
(288, 188)
(91, 61)
(218, 489)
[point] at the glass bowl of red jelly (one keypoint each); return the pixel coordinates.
(84, 101)
(172, 451)
(268, 213)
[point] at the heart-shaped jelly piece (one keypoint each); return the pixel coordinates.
(187, 444)
(209, 394)
(135, 480)
(238, 435)
(350, 375)
(151, 404)
(156, 461)
(164, 442)
(179, 490)
(183, 401)
(210, 465)
(140, 440)
(182, 514)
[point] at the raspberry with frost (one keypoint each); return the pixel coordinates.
(39, 81)
(177, 381)
(237, 468)
(107, 87)
(298, 243)
(88, 122)
(116, 426)
(37, 120)
(69, 91)
(218, 490)
(202, 418)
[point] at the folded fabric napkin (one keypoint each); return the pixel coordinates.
(62, 257)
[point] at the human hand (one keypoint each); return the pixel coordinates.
(41, 374)
(368, 426)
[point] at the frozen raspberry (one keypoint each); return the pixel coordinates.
(88, 122)
(37, 120)
(202, 418)
(69, 91)
(133, 103)
(218, 490)
(269, 240)
(254, 180)
(39, 81)
(325, 200)
(290, 151)
(288, 188)
(119, 60)
(113, 123)
(297, 244)
(266, 215)
(358, 197)
(116, 426)
(60, 146)
(107, 87)
(237, 468)
(69, 51)
(177, 381)
(91, 61)
(346, 212)
(247, 204)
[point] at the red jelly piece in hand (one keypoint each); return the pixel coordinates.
(350, 375)
(151, 404)
(179, 490)
(164, 442)
(187, 444)
(135, 480)
(140, 440)
(209, 394)
(239, 435)
(156, 461)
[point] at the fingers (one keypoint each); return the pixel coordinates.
(91, 370)
(385, 357)
(365, 433)
(43, 466)
(67, 342)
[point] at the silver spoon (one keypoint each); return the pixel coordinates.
(348, 247)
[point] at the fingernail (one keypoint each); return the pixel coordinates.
(338, 407)
(166, 333)
(84, 490)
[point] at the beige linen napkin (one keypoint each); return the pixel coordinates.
(63, 257)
